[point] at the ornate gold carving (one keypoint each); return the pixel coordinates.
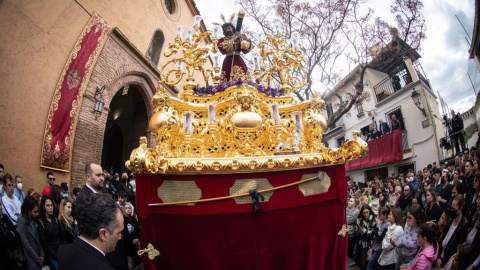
(237, 73)
(150, 250)
(245, 130)
(344, 230)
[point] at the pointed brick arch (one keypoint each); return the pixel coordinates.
(115, 67)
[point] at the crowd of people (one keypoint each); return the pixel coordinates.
(418, 220)
(36, 226)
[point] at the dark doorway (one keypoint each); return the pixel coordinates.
(382, 173)
(127, 121)
(112, 149)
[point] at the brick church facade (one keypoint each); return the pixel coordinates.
(37, 40)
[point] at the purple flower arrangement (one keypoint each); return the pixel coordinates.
(213, 89)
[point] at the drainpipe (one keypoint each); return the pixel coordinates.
(432, 120)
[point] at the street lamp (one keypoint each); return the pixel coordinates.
(416, 99)
(98, 97)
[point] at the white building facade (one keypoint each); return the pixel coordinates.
(390, 92)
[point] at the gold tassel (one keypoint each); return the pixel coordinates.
(152, 252)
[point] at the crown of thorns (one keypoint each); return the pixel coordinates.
(224, 20)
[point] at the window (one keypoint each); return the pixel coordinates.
(340, 141)
(169, 5)
(359, 107)
(155, 48)
(398, 113)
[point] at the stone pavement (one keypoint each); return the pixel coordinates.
(352, 263)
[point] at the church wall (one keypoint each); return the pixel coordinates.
(37, 39)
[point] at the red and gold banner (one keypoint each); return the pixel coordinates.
(61, 121)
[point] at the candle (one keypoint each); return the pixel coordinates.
(256, 62)
(179, 31)
(260, 37)
(188, 128)
(216, 59)
(277, 28)
(298, 120)
(275, 114)
(180, 66)
(211, 113)
(216, 32)
(196, 20)
(295, 37)
(189, 35)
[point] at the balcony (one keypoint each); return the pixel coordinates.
(387, 149)
(390, 85)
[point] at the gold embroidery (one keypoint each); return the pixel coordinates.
(237, 73)
(227, 44)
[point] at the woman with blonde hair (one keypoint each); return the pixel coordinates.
(67, 223)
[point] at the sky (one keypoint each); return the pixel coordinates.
(445, 57)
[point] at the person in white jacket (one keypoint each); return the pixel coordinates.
(390, 256)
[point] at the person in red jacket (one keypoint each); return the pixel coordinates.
(428, 249)
(50, 182)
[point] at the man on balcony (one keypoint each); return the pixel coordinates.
(384, 128)
(457, 132)
(395, 123)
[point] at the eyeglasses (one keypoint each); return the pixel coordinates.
(51, 179)
(407, 190)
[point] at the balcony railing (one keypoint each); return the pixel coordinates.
(390, 85)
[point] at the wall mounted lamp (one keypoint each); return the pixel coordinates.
(417, 100)
(98, 97)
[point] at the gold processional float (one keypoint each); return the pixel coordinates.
(240, 124)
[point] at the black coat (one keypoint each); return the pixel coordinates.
(80, 255)
(51, 236)
(457, 238)
(9, 240)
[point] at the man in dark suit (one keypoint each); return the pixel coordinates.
(94, 183)
(100, 222)
(384, 128)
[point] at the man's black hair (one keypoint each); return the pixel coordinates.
(6, 177)
(122, 194)
(228, 24)
(64, 186)
(95, 212)
(437, 170)
(49, 174)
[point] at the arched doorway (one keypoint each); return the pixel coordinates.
(127, 121)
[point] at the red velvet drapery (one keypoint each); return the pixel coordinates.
(387, 149)
(292, 231)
